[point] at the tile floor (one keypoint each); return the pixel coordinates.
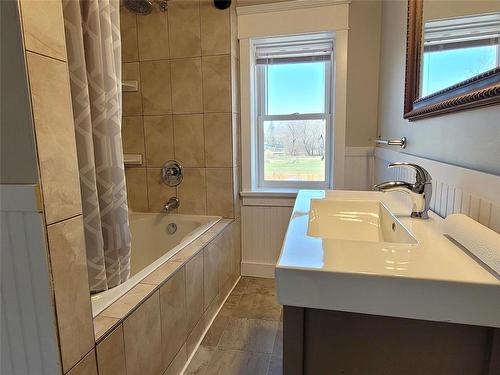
(247, 335)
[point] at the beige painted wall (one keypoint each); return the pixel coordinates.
(435, 9)
(363, 69)
(469, 138)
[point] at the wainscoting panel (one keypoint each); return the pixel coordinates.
(358, 168)
(454, 189)
(29, 337)
(262, 232)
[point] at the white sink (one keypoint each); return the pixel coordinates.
(356, 220)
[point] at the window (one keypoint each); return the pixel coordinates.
(293, 104)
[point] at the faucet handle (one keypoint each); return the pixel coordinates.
(421, 175)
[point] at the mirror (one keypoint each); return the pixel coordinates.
(453, 56)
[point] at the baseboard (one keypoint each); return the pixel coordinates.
(258, 269)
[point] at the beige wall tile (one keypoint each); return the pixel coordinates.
(215, 30)
(159, 140)
(153, 36)
(173, 315)
(87, 366)
(216, 83)
(102, 324)
(218, 139)
(137, 194)
(178, 363)
(133, 135)
(128, 31)
(142, 336)
(158, 192)
(43, 27)
(236, 131)
(210, 269)
(236, 245)
(225, 261)
(71, 288)
(191, 192)
(129, 301)
(220, 191)
(156, 91)
(188, 140)
(194, 290)
(236, 192)
(184, 27)
(186, 86)
(162, 273)
(111, 354)
(195, 335)
(55, 137)
(234, 31)
(132, 101)
(235, 84)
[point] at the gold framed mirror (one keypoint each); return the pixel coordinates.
(452, 56)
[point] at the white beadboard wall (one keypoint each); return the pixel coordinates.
(454, 189)
(263, 227)
(29, 337)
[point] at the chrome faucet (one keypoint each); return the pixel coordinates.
(420, 192)
(172, 204)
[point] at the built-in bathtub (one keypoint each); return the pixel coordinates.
(153, 243)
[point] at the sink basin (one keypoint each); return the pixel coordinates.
(353, 220)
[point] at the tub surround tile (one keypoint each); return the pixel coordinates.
(235, 84)
(218, 139)
(187, 252)
(188, 140)
(43, 27)
(162, 273)
(111, 354)
(55, 137)
(215, 29)
(152, 34)
(126, 303)
(194, 290)
(192, 192)
(128, 31)
(178, 363)
(102, 325)
(184, 28)
(159, 133)
(137, 195)
(216, 83)
(87, 366)
(156, 89)
(196, 334)
(173, 315)
(210, 266)
(142, 337)
(131, 100)
(187, 85)
(133, 135)
(71, 288)
(158, 192)
(220, 190)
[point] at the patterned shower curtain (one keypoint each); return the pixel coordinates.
(94, 55)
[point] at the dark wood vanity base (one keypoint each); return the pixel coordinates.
(326, 342)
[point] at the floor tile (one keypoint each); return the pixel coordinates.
(275, 366)
(212, 337)
(278, 342)
(232, 362)
(200, 361)
(249, 335)
(230, 305)
(258, 306)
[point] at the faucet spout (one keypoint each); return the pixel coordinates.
(420, 192)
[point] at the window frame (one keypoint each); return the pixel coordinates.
(260, 116)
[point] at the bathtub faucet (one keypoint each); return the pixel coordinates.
(172, 204)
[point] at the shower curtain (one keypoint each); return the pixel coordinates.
(94, 56)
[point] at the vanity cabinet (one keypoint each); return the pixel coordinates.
(333, 342)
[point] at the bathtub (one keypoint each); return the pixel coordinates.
(153, 243)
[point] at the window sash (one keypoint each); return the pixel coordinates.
(261, 116)
(263, 183)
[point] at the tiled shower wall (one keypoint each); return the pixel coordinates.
(186, 107)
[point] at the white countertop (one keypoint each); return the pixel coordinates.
(433, 279)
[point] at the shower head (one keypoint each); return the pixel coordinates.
(139, 6)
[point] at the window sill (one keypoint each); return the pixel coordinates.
(269, 197)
